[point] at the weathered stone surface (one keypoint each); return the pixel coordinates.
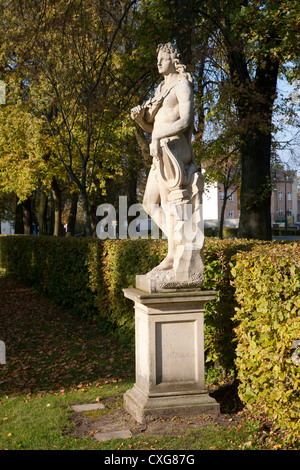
(169, 331)
(88, 407)
(168, 405)
(106, 436)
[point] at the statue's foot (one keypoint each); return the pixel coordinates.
(165, 265)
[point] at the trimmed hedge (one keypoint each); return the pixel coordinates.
(267, 283)
(56, 268)
(290, 232)
(88, 275)
(83, 275)
(215, 232)
(251, 325)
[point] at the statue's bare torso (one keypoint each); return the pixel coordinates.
(174, 118)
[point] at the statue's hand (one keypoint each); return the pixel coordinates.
(155, 148)
(137, 112)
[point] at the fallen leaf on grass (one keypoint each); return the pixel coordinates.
(248, 444)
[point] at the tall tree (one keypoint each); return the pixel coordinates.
(24, 165)
(258, 37)
(66, 52)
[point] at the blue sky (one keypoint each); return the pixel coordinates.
(289, 135)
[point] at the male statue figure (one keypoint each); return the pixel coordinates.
(173, 194)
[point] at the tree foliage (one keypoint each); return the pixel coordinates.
(257, 41)
(74, 69)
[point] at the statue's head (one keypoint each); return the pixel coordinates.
(175, 56)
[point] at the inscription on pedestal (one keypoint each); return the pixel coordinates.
(176, 352)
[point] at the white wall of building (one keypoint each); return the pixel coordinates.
(7, 228)
(210, 205)
(210, 208)
(210, 202)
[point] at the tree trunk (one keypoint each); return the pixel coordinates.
(254, 99)
(222, 217)
(94, 218)
(86, 213)
(27, 216)
(143, 145)
(19, 226)
(255, 216)
(72, 215)
(56, 194)
(50, 227)
(43, 204)
(132, 187)
(256, 191)
(183, 24)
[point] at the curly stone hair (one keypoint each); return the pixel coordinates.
(175, 56)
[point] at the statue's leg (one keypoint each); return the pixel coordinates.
(151, 201)
(168, 224)
(156, 204)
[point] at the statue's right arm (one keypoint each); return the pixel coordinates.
(137, 114)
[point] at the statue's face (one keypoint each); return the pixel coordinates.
(164, 63)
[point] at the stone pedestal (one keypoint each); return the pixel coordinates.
(169, 332)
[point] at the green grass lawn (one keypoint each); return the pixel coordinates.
(43, 421)
(55, 359)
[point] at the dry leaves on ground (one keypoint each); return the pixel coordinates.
(48, 348)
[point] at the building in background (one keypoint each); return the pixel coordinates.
(7, 228)
(213, 200)
(285, 202)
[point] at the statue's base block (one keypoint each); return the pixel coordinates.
(166, 405)
(150, 284)
(169, 331)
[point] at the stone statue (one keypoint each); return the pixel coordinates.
(173, 194)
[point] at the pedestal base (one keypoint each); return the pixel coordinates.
(169, 331)
(166, 405)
